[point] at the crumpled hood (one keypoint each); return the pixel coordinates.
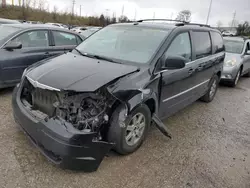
(77, 73)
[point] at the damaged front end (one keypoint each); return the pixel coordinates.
(80, 119)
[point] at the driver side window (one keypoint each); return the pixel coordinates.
(33, 39)
(180, 46)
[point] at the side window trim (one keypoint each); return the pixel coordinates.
(190, 41)
(32, 30)
(53, 38)
(213, 43)
(194, 47)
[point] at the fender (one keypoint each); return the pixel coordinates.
(132, 97)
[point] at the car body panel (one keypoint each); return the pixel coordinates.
(86, 74)
(164, 91)
(13, 63)
(242, 60)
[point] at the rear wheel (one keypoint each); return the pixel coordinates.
(213, 86)
(128, 138)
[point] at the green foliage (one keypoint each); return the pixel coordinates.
(34, 14)
(243, 29)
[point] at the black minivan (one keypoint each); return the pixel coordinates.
(106, 92)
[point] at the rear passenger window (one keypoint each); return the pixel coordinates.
(217, 42)
(64, 39)
(202, 44)
(180, 46)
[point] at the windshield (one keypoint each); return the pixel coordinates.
(234, 46)
(6, 31)
(125, 43)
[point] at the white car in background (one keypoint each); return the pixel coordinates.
(80, 29)
(228, 33)
(57, 24)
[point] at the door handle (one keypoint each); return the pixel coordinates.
(190, 71)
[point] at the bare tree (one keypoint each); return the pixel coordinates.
(54, 13)
(41, 4)
(184, 15)
(34, 4)
(28, 3)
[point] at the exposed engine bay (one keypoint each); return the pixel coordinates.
(86, 111)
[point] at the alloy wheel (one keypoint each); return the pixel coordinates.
(135, 129)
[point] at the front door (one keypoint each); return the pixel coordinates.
(177, 85)
(35, 47)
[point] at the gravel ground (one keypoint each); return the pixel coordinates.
(210, 148)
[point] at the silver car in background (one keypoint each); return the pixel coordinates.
(237, 60)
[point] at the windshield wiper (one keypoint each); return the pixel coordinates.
(97, 57)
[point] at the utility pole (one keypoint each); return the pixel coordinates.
(135, 15)
(80, 10)
(122, 10)
(209, 10)
(73, 6)
(172, 15)
(232, 25)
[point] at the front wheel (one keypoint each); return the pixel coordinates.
(236, 79)
(213, 86)
(129, 137)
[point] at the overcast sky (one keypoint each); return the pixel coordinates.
(222, 10)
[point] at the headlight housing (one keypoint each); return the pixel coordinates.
(230, 63)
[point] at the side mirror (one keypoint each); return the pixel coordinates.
(174, 62)
(247, 52)
(13, 45)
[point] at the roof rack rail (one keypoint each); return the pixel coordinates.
(177, 24)
(160, 20)
(202, 25)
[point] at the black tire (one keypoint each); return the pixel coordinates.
(236, 79)
(208, 97)
(117, 133)
(247, 74)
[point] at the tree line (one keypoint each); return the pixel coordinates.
(43, 14)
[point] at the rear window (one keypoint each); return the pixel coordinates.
(217, 42)
(202, 44)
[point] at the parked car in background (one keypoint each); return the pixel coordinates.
(80, 29)
(237, 60)
(58, 25)
(228, 33)
(8, 21)
(105, 93)
(90, 31)
(24, 44)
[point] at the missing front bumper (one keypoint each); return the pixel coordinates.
(69, 149)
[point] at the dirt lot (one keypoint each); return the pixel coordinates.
(210, 148)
